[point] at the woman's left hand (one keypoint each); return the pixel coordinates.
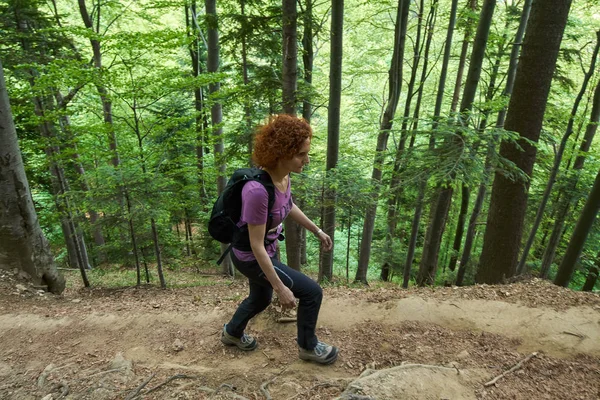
(326, 242)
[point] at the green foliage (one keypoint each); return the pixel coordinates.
(166, 145)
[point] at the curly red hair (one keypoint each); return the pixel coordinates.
(279, 139)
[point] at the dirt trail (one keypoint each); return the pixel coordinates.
(177, 332)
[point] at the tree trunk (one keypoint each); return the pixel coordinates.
(592, 278)
(428, 265)
(308, 56)
(333, 130)
(514, 60)
(102, 91)
(193, 29)
(308, 61)
(558, 158)
(436, 114)
(566, 199)
(69, 141)
(424, 72)
(290, 85)
(395, 192)
(387, 120)
(580, 234)
(462, 59)
(23, 245)
(157, 251)
(481, 193)
(216, 111)
(460, 226)
(525, 114)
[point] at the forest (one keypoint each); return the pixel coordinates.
(453, 141)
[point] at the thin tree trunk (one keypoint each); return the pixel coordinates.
(290, 85)
(436, 115)
(592, 277)
(429, 260)
(133, 238)
(566, 199)
(462, 60)
(246, 80)
(460, 226)
(558, 158)
(424, 72)
(308, 61)
(526, 110)
(157, 251)
(580, 234)
(308, 57)
(395, 184)
(102, 91)
(65, 124)
(216, 111)
(201, 125)
(333, 130)
(387, 120)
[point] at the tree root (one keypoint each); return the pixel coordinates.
(137, 390)
(263, 387)
(64, 390)
(178, 376)
(517, 366)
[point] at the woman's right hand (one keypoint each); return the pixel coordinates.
(286, 298)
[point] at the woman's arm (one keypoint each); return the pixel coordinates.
(257, 242)
(297, 215)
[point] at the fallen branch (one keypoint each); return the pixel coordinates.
(284, 320)
(137, 390)
(579, 335)
(513, 369)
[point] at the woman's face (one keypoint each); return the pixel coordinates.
(298, 160)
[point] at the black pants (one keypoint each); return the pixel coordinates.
(304, 288)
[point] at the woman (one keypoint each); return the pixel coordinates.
(281, 147)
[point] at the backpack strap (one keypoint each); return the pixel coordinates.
(243, 241)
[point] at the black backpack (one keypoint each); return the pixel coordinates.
(226, 211)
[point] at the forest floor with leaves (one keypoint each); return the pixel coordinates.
(526, 340)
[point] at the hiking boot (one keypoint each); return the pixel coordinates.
(246, 342)
(323, 353)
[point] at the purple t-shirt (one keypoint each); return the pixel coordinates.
(255, 204)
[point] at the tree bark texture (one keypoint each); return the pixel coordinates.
(525, 114)
(290, 56)
(22, 243)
